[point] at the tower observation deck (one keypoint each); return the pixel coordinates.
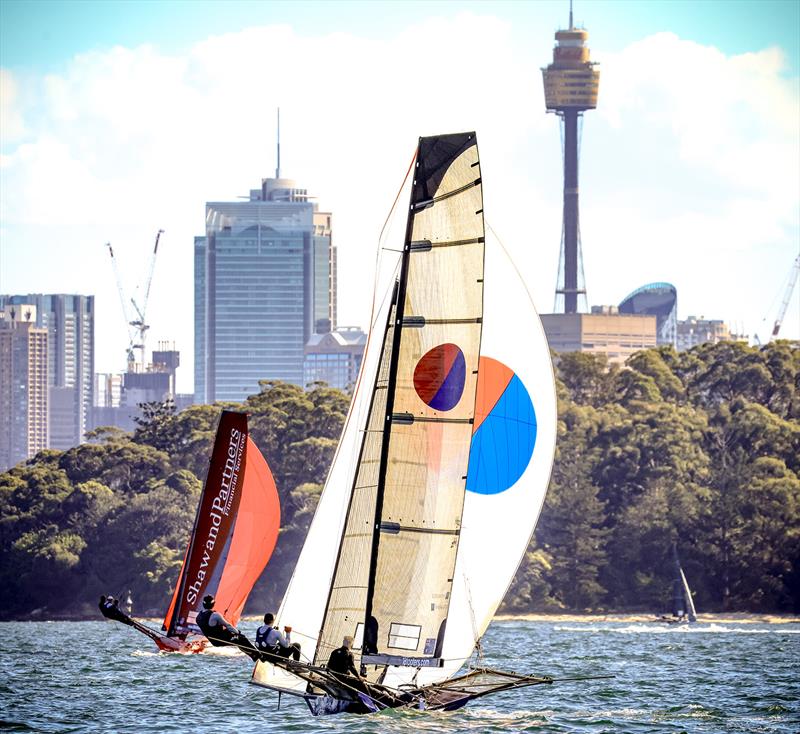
(571, 84)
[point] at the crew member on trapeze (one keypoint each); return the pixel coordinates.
(220, 632)
(109, 608)
(270, 640)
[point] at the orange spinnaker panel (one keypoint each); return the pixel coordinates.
(254, 535)
(493, 379)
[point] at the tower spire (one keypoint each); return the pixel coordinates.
(278, 166)
(570, 88)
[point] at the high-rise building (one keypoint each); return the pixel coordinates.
(335, 358)
(265, 281)
(571, 84)
(23, 385)
(69, 321)
(660, 300)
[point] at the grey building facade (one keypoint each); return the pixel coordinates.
(69, 320)
(264, 283)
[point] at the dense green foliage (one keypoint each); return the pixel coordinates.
(701, 448)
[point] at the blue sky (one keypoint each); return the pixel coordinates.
(120, 118)
(44, 33)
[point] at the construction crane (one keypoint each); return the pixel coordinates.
(786, 298)
(137, 327)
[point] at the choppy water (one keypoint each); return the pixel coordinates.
(720, 678)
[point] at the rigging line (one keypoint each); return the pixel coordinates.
(473, 621)
(352, 414)
(399, 192)
(513, 264)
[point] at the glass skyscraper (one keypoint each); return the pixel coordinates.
(264, 283)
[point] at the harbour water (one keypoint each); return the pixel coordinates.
(711, 677)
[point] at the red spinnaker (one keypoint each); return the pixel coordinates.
(234, 532)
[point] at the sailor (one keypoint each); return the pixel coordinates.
(220, 632)
(109, 608)
(341, 660)
(269, 640)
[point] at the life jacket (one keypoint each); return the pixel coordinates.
(261, 639)
(217, 635)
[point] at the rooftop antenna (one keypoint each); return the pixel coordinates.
(278, 169)
(570, 14)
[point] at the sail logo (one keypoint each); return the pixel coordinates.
(504, 431)
(220, 509)
(233, 464)
(439, 377)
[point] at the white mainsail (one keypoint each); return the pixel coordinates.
(446, 453)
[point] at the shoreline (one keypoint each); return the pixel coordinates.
(614, 617)
(639, 617)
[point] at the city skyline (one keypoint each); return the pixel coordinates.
(689, 169)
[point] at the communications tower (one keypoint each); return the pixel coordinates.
(571, 83)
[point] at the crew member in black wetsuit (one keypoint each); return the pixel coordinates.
(109, 608)
(341, 661)
(343, 667)
(220, 632)
(270, 641)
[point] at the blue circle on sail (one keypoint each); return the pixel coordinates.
(504, 433)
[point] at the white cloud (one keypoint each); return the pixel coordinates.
(690, 155)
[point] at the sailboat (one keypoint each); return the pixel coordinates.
(234, 534)
(683, 610)
(440, 473)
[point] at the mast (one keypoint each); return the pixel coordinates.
(370, 645)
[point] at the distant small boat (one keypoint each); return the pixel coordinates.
(683, 611)
(234, 534)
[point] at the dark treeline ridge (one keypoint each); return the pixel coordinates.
(699, 448)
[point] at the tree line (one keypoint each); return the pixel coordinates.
(698, 448)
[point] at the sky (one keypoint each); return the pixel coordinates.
(121, 118)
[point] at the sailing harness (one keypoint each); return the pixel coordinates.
(217, 634)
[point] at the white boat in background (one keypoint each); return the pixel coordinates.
(683, 611)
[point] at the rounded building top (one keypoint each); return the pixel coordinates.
(571, 36)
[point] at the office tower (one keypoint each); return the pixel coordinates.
(69, 320)
(660, 300)
(264, 283)
(571, 84)
(23, 385)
